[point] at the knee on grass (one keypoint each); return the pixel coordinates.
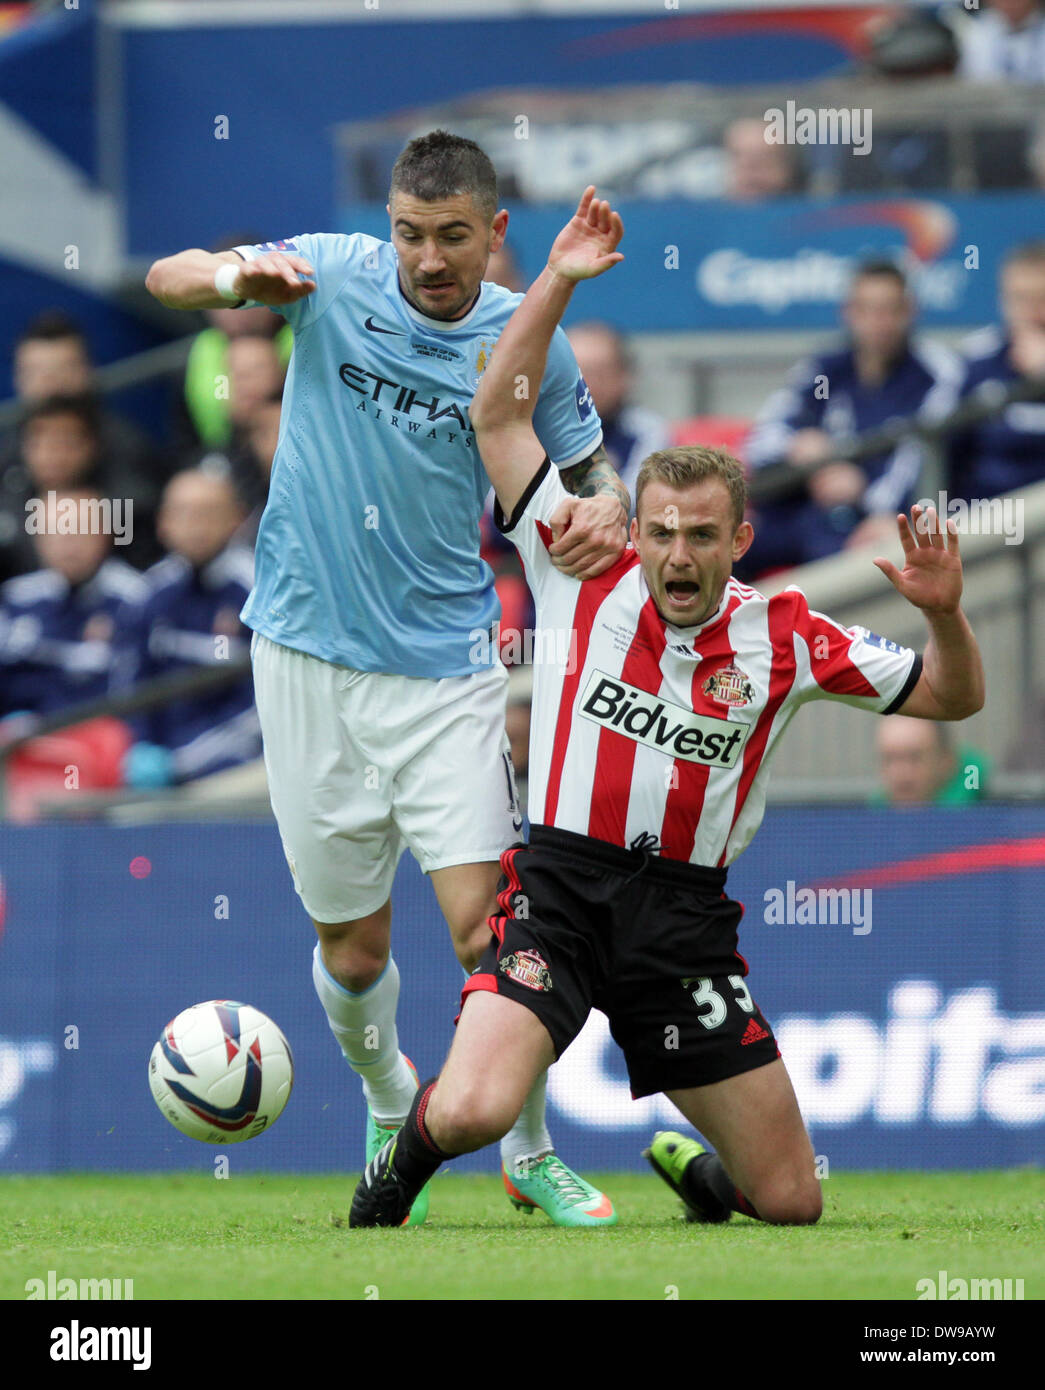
(783, 1202)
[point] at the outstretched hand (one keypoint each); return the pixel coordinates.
(931, 578)
(275, 278)
(587, 245)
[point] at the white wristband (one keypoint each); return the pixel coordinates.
(223, 278)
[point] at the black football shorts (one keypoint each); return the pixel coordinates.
(651, 942)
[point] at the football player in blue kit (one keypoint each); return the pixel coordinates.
(377, 677)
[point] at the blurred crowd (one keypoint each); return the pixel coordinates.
(86, 614)
(134, 561)
(881, 370)
(92, 611)
(990, 42)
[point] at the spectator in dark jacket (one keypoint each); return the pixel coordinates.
(51, 358)
(191, 618)
(1007, 451)
(880, 374)
(66, 627)
(61, 444)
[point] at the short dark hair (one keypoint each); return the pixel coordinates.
(879, 268)
(83, 405)
(687, 464)
(440, 165)
(51, 326)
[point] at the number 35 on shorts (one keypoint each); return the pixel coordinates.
(707, 998)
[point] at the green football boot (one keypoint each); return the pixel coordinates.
(670, 1155)
(548, 1183)
(377, 1136)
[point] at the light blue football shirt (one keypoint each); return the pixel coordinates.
(368, 549)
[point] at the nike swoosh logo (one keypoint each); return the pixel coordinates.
(369, 323)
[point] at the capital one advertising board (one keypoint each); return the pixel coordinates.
(911, 1018)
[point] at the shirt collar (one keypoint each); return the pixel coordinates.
(439, 325)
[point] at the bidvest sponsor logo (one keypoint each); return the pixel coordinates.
(669, 728)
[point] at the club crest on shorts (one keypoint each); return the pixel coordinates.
(730, 686)
(527, 968)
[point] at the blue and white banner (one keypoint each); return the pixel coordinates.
(782, 264)
(898, 956)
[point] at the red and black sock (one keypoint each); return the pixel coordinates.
(417, 1155)
(712, 1191)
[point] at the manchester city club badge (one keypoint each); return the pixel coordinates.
(482, 357)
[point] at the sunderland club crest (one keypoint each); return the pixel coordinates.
(730, 686)
(527, 968)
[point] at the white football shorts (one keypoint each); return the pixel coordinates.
(361, 765)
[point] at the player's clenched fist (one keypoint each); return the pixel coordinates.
(275, 278)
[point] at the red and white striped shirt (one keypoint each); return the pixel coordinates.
(641, 727)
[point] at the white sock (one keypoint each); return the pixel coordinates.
(528, 1137)
(365, 1027)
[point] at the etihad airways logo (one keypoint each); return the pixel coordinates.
(398, 399)
(670, 729)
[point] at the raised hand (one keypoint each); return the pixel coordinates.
(587, 245)
(274, 279)
(931, 578)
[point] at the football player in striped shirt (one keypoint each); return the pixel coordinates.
(653, 720)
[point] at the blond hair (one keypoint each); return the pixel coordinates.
(693, 463)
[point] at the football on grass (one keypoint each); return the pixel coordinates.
(221, 1072)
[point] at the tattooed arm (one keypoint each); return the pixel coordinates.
(595, 477)
(590, 529)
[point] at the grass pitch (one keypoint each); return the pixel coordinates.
(184, 1236)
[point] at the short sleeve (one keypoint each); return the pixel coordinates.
(850, 664)
(565, 419)
(334, 256)
(528, 526)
